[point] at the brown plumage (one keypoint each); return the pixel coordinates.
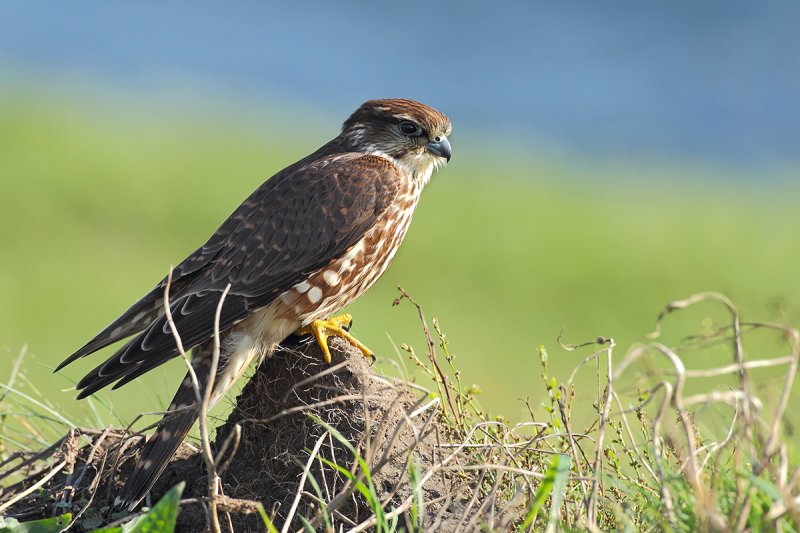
(306, 243)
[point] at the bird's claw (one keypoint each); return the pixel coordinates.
(338, 326)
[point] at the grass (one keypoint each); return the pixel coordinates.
(650, 455)
(97, 203)
(653, 457)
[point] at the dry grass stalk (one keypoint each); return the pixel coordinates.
(203, 397)
(400, 441)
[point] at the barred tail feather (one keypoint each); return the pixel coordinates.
(155, 457)
(169, 434)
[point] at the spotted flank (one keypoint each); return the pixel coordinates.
(331, 278)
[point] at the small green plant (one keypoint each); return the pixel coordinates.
(159, 519)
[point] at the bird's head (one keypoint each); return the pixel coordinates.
(411, 134)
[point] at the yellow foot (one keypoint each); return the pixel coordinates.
(337, 326)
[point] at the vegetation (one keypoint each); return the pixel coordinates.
(652, 457)
(100, 198)
(687, 431)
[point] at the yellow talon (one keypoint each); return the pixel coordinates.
(322, 329)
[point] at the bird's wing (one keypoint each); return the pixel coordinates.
(293, 225)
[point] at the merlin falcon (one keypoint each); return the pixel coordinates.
(306, 243)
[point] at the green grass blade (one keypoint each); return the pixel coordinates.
(47, 525)
(55, 414)
(418, 507)
(370, 494)
(323, 508)
(360, 486)
(307, 525)
(555, 479)
(267, 522)
(559, 489)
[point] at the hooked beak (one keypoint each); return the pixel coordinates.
(440, 146)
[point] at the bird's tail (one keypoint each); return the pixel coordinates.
(162, 445)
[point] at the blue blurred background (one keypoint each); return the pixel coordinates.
(608, 157)
(716, 81)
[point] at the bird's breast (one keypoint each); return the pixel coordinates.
(347, 277)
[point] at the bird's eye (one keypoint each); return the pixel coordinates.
(409, 128)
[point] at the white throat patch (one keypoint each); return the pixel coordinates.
(419, 166)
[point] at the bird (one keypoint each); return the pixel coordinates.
(307, 242)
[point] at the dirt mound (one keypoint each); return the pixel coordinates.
(372, 439)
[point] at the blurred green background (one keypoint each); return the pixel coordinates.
(506, 253)
(562, 211)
